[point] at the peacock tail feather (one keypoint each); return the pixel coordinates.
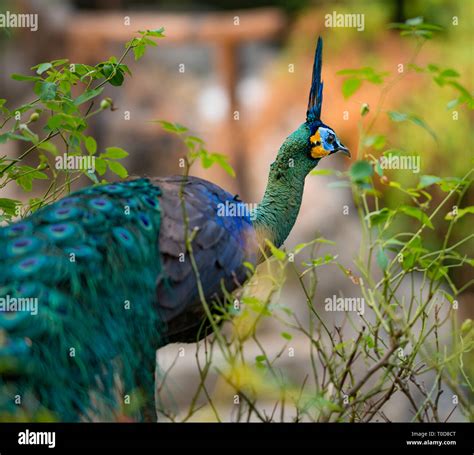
(90, 263)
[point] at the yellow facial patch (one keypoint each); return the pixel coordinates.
(317, 150)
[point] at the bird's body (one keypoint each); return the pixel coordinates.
(111, 277)
(119, 270)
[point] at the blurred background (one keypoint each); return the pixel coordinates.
(237, 73)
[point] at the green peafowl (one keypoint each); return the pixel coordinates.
(112, 280)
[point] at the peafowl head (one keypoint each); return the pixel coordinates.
(299, 154)
(313, 140)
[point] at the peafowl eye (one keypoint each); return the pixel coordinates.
(324, 142)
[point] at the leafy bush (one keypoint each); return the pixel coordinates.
(62, 115)
(415, 347)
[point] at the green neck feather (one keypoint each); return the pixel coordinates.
(277, 213)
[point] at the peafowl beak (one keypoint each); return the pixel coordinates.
(340, 147)
(344, 150)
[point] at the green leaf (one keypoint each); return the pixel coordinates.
(256, 305)
(49, 147)
(321, 261)
(453, 103)
(88, 95)
(460, 213)
(26, 176)
(47, 91)
(55, 121)
(117, 168)
(192, 142)
(114, 74)
(325, 241)
(423, 33)
(13, 136)
(380, 216)
(427, 180)
(376, 141)
(400, 117)
(350, 86)
(91, 176)
(416, 27)
(91, 145)
(378, 168)
(148, 41)
(59, 62)
(435, 271)
(414, 21)
(125, 69)
(222, 161)
(157, 33)
(172, 127)
(322, 172)
(397, 116)
(382, 260)
(2, 103)
(100, 166)
(279, 254)
(450, 183)
(87, 71)
(396, 242)
(366, 73)
(72, 123)
(28, 134)
(139, 51)
(8, 206)
(417, 213)
(369, 341)
(249, 266)
(118, 78)
(286, 336)
(301, 246)
(42, 67)
(115, 153)
(420, 122)
(21, 77)
(449, 73)
(107, 69)
(433, 27)
(260, 358)
(360, 171)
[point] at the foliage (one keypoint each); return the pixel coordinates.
(196, 149)
(67, 97)
(404, 347)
